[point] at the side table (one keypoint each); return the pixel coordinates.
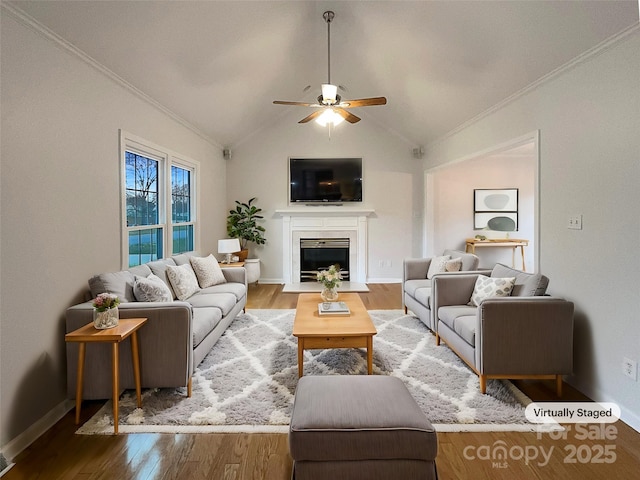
(89, 334)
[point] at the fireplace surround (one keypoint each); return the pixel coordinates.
(330, 222)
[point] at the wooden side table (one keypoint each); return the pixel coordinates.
(89, 334)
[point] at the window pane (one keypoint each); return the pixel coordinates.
(182, 239)
(145, 246)
(180, 195)
(141, 190)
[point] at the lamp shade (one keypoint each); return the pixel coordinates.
(228, 245)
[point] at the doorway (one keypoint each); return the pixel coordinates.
(449, 193)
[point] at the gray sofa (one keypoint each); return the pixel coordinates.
(174, 340)
(416, 287)
(526, 334)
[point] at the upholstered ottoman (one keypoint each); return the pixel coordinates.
(354, 427)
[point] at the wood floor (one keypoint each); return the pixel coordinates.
(581, 454)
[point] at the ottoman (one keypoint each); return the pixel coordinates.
(352, 427)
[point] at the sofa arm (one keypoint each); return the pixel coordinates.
(450, 289)
(524, 335)
(415, 268)
(235, 274)
(165, 349)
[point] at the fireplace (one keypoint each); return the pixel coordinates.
(320, 253)
(331, 223)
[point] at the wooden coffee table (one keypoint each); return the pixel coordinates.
(332, 331)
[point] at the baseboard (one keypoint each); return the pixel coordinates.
(627, 416)
(15, 446)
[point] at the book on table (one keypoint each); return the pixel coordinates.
(333, 308)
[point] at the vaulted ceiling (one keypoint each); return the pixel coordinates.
(219, 64)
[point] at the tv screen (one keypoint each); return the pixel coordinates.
(325, 180)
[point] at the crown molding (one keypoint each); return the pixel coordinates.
(571, 64)
(30, 22)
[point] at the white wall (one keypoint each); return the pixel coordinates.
(60, 203)
(453, 204)
(589, 121)
(392, 186)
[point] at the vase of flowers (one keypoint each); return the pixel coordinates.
(105, 311)
(331, 279)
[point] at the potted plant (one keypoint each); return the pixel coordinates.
(242, 224)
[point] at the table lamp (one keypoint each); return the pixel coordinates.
(228, 246)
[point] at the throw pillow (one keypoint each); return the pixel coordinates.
(487, 287)
(151, 289)
(437, 265)
(453, 265)
(208, 271)
(183, 280)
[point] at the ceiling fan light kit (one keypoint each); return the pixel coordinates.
(331, 109)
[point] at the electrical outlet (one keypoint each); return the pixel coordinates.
(575, 222)
(630, 368)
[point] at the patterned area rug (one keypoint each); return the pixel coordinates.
(247, 382)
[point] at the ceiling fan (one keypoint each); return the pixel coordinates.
(331, 108)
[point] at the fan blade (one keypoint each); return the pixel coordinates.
(312, 116)
(363, 102)
(348, 116)
(299, 104)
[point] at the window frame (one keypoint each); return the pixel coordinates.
(166, 158)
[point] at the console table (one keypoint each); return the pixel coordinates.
(512, 243)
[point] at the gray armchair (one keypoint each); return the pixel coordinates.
(416, 287)
(525, 335)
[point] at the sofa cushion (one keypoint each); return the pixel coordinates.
(410, 286)
(526, 284)
(465, 327)
(449, 314)
(183, 280)
(239, 290)
(204, 321)
(423, 296)
(207, 270)
(151, 289)
(117, 283)
(223, 301)
(182, 258)
(437, 265)
(141, 270)
(487, 287)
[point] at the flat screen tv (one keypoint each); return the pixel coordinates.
(325, 180)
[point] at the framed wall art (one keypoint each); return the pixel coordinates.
(495, 209)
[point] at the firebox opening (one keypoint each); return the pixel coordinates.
(318, 254)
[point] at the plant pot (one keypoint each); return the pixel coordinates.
(242, 254)
(252, 266)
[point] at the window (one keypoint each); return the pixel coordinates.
(159, 202)
(181, 209)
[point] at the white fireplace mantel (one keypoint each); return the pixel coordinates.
(324, 221)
